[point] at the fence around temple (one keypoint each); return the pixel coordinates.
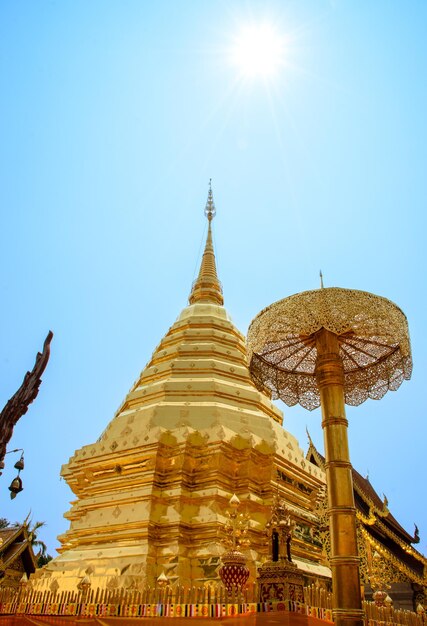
(210, 601)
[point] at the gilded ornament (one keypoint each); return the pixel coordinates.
(233, 572)
(373, 336)
(279, 578)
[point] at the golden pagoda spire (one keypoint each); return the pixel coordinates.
(207, 288)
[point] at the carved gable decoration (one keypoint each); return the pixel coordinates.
(16, 556)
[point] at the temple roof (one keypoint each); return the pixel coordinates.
(368, 493)
(369, 496)
(378, 526)
(15, 541)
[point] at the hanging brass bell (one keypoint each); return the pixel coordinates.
(19, 465)
(15, 487)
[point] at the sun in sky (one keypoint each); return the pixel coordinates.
(258, 50)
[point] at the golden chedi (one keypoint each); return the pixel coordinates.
(151, 493)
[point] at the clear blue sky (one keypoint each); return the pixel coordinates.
(113, 117)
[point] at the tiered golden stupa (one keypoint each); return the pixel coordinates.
(151, 493)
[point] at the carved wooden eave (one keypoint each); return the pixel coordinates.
(395, 562)
(18, 404)
(314, 455)
(409, 549)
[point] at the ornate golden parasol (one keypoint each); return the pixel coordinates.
(328, 347)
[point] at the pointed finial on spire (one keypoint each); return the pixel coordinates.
(207, 288)
(210, 210)
(321, 279)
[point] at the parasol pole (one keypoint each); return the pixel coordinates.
(344, 561)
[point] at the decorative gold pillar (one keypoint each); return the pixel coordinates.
(326, 348)
(344, 560)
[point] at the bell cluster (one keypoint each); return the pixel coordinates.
(16, 485)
